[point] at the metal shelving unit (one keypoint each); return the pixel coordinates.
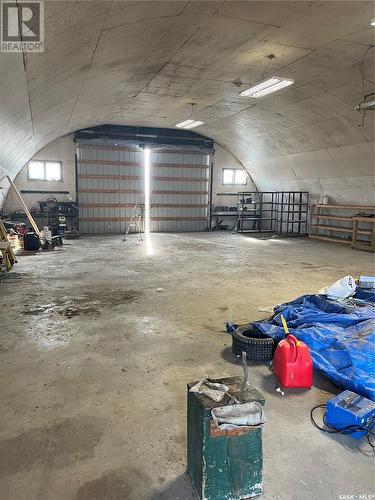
(256, 212)
(280, 212)
(292, 213)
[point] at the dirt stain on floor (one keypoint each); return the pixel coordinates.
(70, 440)
(115, 485)
(110, 297)
(91, 303)
(67, 310)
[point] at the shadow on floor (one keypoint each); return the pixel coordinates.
(229, 357)
(270, 383)
(115, 484)
(178, 489)
(324, 384)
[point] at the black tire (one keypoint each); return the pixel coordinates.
(258, 346)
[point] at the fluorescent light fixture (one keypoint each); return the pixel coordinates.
(183, 124)
(373, 23)
(194, 124)
(149, 249)
(366, 105)
(189, 124)
(271, 85)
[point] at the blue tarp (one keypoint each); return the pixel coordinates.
(341, 338)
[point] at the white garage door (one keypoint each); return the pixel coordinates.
(110, 181)
(179, 191)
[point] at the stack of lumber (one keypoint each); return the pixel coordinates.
(7, 252)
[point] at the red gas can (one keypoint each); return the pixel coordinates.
(292, 363)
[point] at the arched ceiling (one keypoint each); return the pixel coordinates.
(142, 63)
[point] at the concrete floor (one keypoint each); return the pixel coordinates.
(95, 361)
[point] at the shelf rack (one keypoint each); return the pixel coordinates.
(255, 212)
(292, 213)
(280, 212)
(352, 225)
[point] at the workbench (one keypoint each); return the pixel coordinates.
(217, 215)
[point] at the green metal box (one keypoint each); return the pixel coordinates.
(223, 464)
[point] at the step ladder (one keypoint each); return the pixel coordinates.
(135, 222)
(7, 252)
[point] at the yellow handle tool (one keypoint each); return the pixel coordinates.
(286, 329)
(285, 326)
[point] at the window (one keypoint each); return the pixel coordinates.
(38, 170)
(53, 171)
(234, 176)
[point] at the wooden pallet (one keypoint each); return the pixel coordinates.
(346, 228)
(9, 259)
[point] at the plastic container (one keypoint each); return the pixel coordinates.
(13, 240)
(292, 363)
(31, 241)
(46, 234)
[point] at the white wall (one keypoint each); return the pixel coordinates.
(224, 159)
(61, 150)
(344, 173)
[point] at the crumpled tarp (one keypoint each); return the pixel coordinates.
(341, 338)
(237, 415)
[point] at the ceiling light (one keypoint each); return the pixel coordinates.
(372, 23)
(271, 85)
(189, 124)
(194, 124)
(366, 105)
(183, 124)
